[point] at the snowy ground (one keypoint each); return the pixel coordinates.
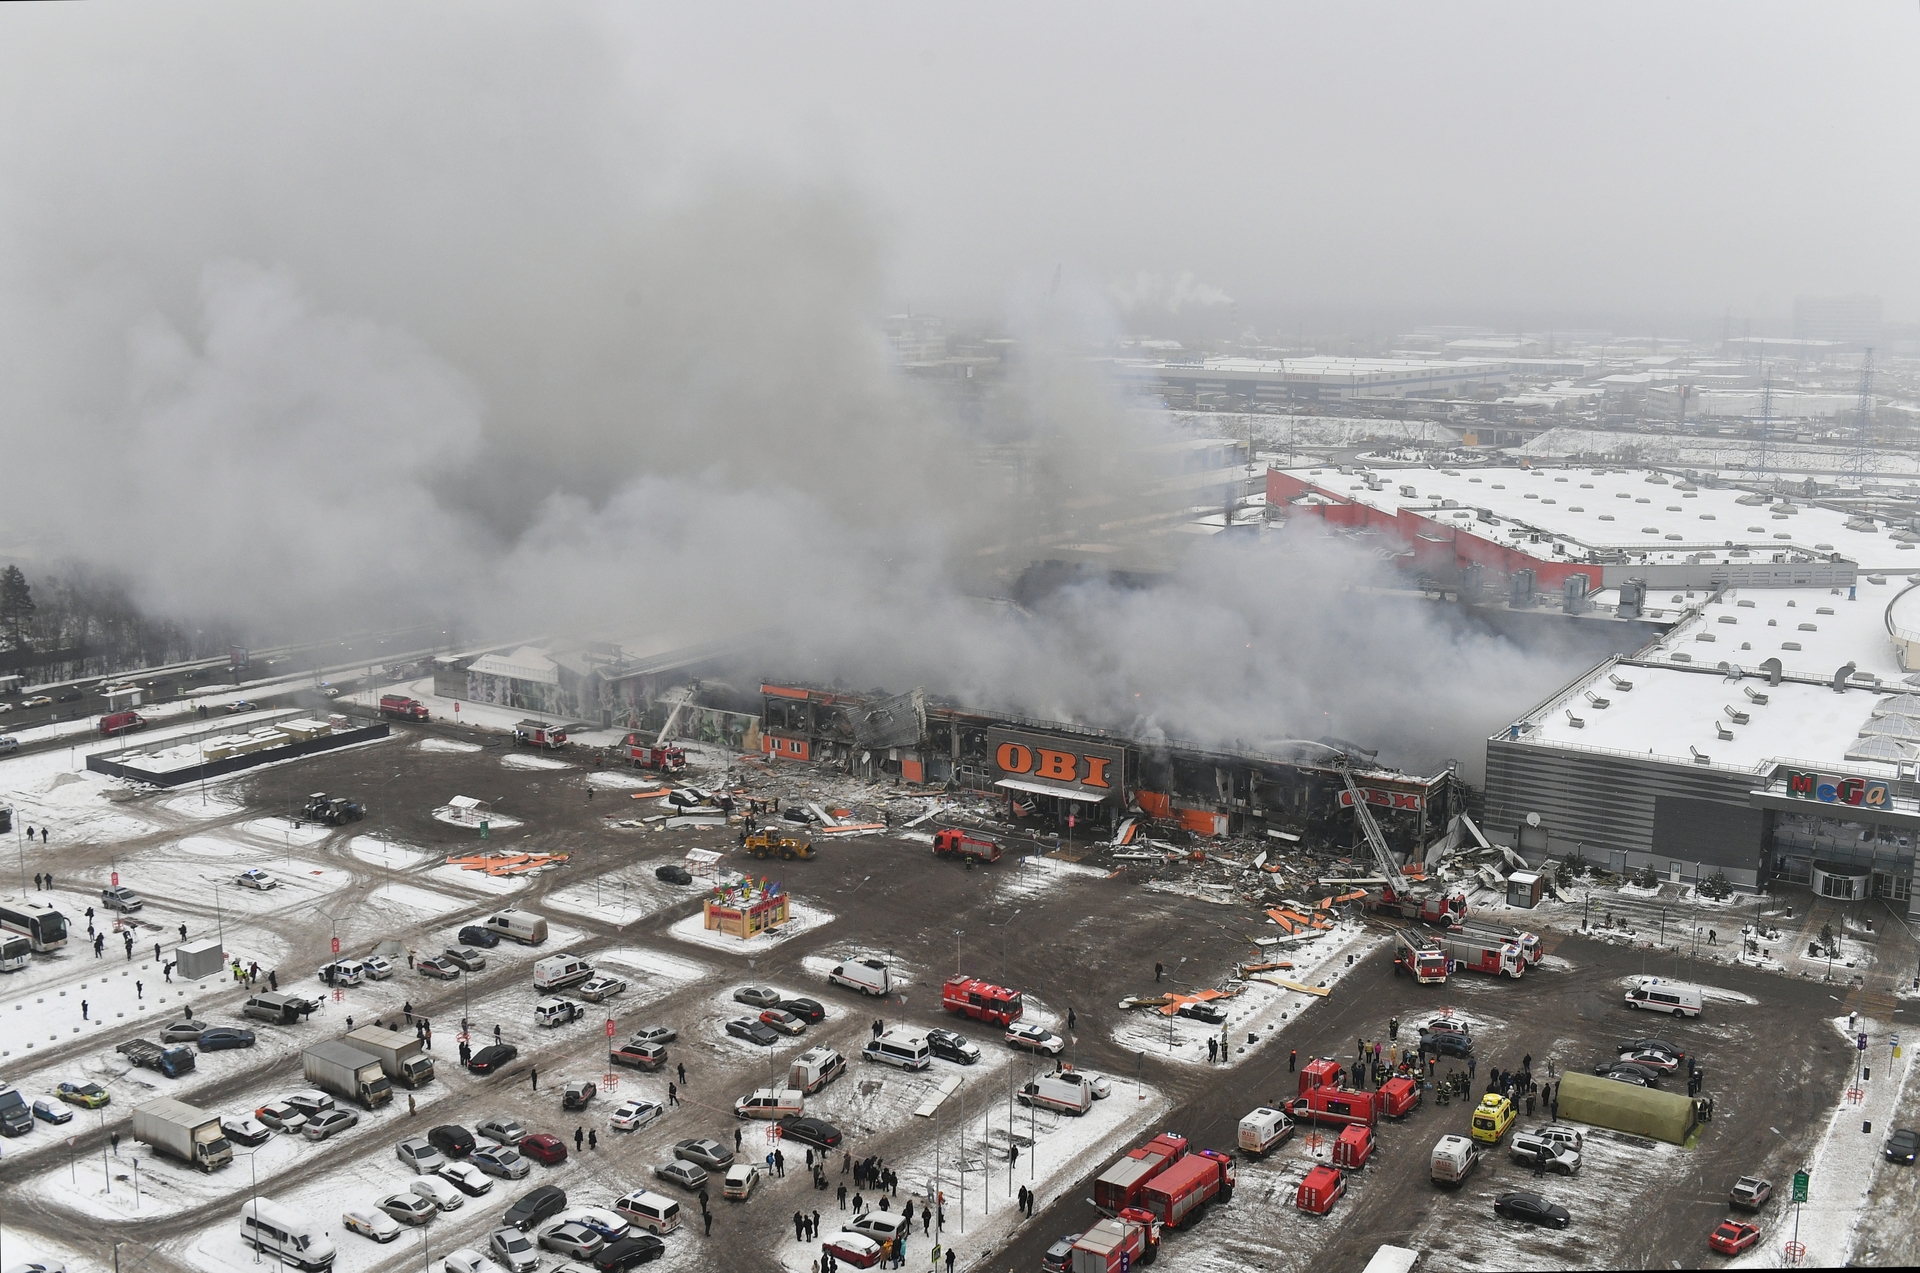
(529, 760)
(625, 896)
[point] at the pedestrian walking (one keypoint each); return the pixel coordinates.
(843, 1197)
(36, 880)
(183, 932)
(926, 1222)
(139, 990)
(673, 1094)
(496, 1034)
(1293, 1057)
(593, 1139)
(533, 1076)
(1157, 970)
(1526, 1062)
(156, 952)
(83, 1010)
(166, 970)
(116, 1144)
(43, 840)
(681, 1070)
(813, 1225)
(779, 1164)
(950, 1259)
(707, 1216)
(1070, 1019)
(736, 1140)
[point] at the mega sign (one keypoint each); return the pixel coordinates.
(1056, 762)
(1858, 791)
(1385, 799)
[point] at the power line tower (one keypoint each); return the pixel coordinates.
(1762, 451)
(1861, 461)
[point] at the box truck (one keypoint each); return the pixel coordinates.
(348, 1073)
(403, 1057)
(178, 1130)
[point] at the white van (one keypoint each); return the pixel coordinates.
(556, 971)
(1453, 1157)
(555, 1011)
(523, 926)
(882, 1226)
(1264, 1128)
(344, 972)
(1067, 1092)
(898, 1047)
(654, 1212)
(1656, 995)
(815, 1068)
(284, 1233)
(868, 976)
(771, 1102)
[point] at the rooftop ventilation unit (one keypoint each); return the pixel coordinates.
(1622, 686)
(1575, 721)
(1600, 704)
(1735, 715)
(1699, 757)
(1773, 670)
(1722, 732)
(1759, 699)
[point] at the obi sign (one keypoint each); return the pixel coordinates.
(1385, 799)
(1865, 792)
(1036, 762)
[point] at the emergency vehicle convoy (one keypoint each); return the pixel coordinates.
(1480, 952)
(1528, 944)
(1164, 1183)
(1419, 955)
(1117, 1244)
(1122, 1185)
(1323, 1099)
(981, 1000)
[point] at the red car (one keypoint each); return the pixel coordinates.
(549, 1151)
(1732, 1237)
(852, 1248)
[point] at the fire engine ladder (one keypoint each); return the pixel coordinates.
(1382, 856)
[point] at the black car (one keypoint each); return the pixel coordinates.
(628, 1252)
(752, 1031)
(1446, 1043)
(797, 814)
(67, 696)
(452, 1140)
(474, 935)
(1643, 1075)
(949, 1046)
(1532, 1208)
(541, 1204)
(808, 1010)
(810, 1131)
(672, 874)
(1202, 1012)
(1673, 1050)
(491, 1058)
(222, 1037)
(1902, 1145)
(1059, 1256)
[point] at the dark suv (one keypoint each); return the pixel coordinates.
(541, 1204)
(474, 935)
(452, 1140)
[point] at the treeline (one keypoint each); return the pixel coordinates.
(79, 622)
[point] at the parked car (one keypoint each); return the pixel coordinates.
(468, 1260)
(490, 1059)
(601, 987)
(704, 1150)
(310, 1102)
(852, 1248)
(631, 1116)
(655, 1034)
(281, 1116)
(418, 1153)
(183, 1031)
(1647, 1058)
(254, 877)
(757, 996)
(610, 1225)
(783, 1021)
(442, 969)
(452, 1140)
(1612, 1069)
(223, 1037)
(1530, 1150)
(245, 1131)
(1531, 1208)
(48, 1112)
(810, 1131)
(85, 1095)
(1447, 1042)
(1902, 1145)
(464, 957)
(465, 1177)
(545, 1149)
(441, 1193)
(577, 1095)
(951, 1046)
(1033, 1038)
(689, 1176)
(1673, 1050)
(1059, 1256)
(642, 1056)
(1731, 1237)
(499, 1160)
(475, 935)
(329, 1122)
(629, 1252)
(741, 1179)
(1202, 1012)
(810, 1011)
(672, 874)
(752, 1031)
(1751, 1192)
(1635, 1077)
(515, 1250)
(572, 1238)
(371, 1222)
(378, 967)
(500, 1128)
(537, 1205)
(408, 1208)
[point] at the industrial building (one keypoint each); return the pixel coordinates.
(1539, 529)
(1329, 379)
(1772, 734)
(1050, 771)
(595, 682)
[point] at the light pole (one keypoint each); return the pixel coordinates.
(958, 933)
(254, 1168)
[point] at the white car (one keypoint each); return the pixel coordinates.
(601, 986)
(419, 1154)
(437, 1191)
(1101, 1085)
(631, 1116)
(468, 1260)
(379, 967)
(1035, 1039)
(466, 1177)
(256, 878)
(371, 1222)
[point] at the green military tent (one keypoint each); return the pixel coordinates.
(1626, 1107)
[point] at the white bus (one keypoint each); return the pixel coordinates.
(15, 951)
(43, 926)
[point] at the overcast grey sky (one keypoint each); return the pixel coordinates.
(1446, 160)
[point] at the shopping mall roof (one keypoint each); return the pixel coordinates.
(1812, 631)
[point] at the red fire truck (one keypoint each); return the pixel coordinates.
(400, 707)
(1487, 930)
(121, 723)
(537, 733)
(1355, 1146)
(1122, 1185)
(1399, 1096)
(1475, 952)
(1177, 1195)
(1324, 1100)
(1116, 1245)
(980, 1000)
(1320, 1190)
(1419, 955)
(665, 757)
(953, 842)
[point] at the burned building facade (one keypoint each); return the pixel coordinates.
(1076, 779)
